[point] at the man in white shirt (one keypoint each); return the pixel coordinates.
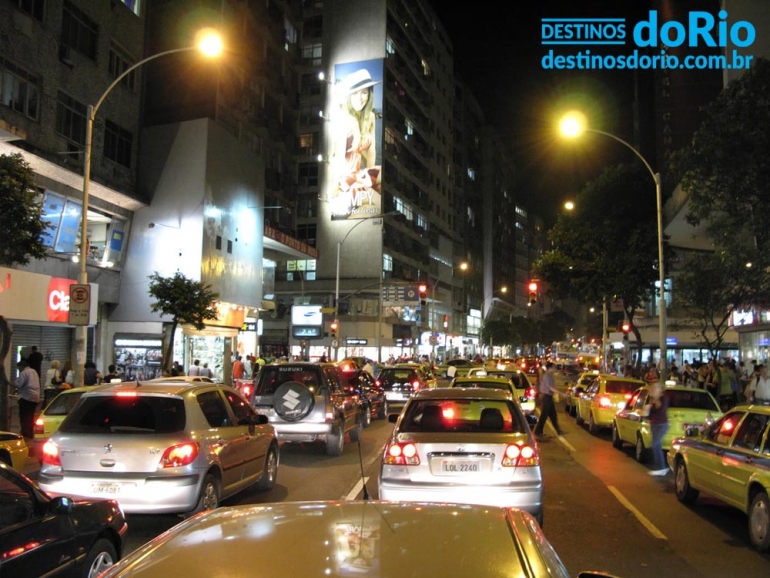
(195, 368)
(759, 388)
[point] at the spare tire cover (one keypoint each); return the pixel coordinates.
(293, 400)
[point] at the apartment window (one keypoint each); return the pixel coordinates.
(308, 116)
(310, 85)
(409, 127)
(78, 31)
(312, 53)
(387, 262)
(308, 174)
(425, 69)
(308, 144)
(471, 173)
(119, 62)
(307, 233)
(132, 5)
(291, 31)
(118, 143)
(422, 222)
(314, 27)
(20, 90)
(71, 118)
(307, 206)
(389, 48)
(32, 7)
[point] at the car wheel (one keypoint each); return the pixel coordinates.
(357, 431)
(592, 427)
(685, 493)
(270, 471)
(293, 401)
(616, 441)
(335, 441)
(759, 522)
(5, 458)
(101, 556)
(209, 496)
(641, 453)
(579, 419)
(367, 416)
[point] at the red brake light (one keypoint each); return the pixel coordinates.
(605, 402)
(39, 426)
(531, 392)
(415, 385)
(520, 455)
(246, 390)
(524, 365)
(127, 394)
(180, 455)
(401, 454)
(448, 413)
(51, 454)
(378, 383)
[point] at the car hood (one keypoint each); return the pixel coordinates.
(370, 538)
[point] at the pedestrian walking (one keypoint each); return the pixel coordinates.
(28, 388)
(758, 390)
(547, 389)
(237, 368)
(658, 416)
(206, 371)
(195, 368)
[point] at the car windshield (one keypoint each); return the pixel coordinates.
(114, 413)
(621, 386)
(63, 403)
(273, 376)
(691, 399)
(473, 416)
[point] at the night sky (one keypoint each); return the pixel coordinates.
(498, 55)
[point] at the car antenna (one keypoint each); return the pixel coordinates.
(361, 461)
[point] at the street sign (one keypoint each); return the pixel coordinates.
(327, 309)
(335, 343)
(80, 304)
(395, 296)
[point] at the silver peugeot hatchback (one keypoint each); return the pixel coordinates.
(465, 445)
(160, 447)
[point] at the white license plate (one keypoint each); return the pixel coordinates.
(687, 426)
(268, 411)
(460, 466)
(394, 396)
(106, 489)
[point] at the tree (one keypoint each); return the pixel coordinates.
(185, 301)
(21, 240)
(606, 248)
(725, 173)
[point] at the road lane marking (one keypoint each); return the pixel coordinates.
(357, 488)
(639, 516)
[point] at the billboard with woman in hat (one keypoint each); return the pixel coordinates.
(357, 128)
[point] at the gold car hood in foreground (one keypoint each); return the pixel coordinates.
(364, 538)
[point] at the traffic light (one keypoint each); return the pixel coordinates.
(625, 326)
(532, 292)
(333, 327)
(423, 291)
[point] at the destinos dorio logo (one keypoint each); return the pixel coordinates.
(701, 30)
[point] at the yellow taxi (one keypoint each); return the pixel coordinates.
(54, 413)
(602, 399)
(13, 450)
(576, 389)
(730, 460)
(687, 408)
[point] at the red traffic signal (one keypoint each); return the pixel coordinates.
(532, 292)
(422, 289)
(333, 326)
(625, 326)
(533, 286)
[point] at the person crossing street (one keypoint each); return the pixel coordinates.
(547, 390)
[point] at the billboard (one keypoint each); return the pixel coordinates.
(307, 315)
(355, 161)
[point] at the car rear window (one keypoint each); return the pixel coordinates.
(398, 375)
(486, 384)
(63, 403)
(271, 377)
(692, 399)
(519, 382)
(473, 416)
(144, 414)
(622, 386)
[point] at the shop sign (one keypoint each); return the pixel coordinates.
(306, 331)
(59, 299)
(356, 341)
(249, 326)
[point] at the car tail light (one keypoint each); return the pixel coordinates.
(39, 426)
(401, 454)
(605, 402)
(531, 394)
(415, 385)
(246, 389)
(51, 454)
(127, 394)
(378, 382)
(520, 455)
(180, 455)
(524, 366)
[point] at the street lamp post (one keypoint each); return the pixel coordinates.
(211, 45)
(572, 125)
(337, 277)
(432, 320)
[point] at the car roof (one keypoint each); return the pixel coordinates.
(152, 387)
(480, 378)
(462, 393)
(390, 536)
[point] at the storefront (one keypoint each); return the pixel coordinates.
(138, 357)
(37, 310)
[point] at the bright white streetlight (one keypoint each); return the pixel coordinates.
(572, 125)
(210, 44)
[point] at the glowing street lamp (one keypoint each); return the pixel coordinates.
(574, 124)
(210, 44)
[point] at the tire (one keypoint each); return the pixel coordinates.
(209, 496)
(641, 453)
(685, 493)
(367, 416)
(101, 556)
(270, 471)
(592, 427)
(759, 522)
(357, 431)
(616, 441)
(579, 419)
(335, 441)
(293, 401)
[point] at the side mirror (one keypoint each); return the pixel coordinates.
(61, 506)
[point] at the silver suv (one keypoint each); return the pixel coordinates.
(160, 447)
(307, 402)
